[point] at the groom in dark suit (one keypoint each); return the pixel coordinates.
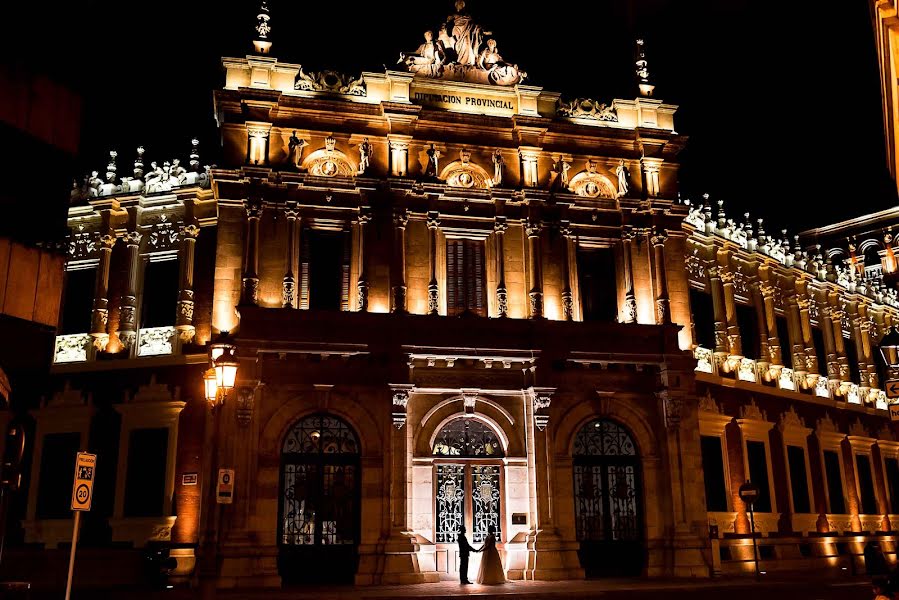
(464, 550)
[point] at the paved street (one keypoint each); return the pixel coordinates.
(794, 587)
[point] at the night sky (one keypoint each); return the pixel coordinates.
(782, 108)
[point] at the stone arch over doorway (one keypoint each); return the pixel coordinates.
(636, 418)
(319, 501)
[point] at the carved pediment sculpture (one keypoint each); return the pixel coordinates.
(330, 82)
(465, 174)
(590, 184)
(329, 162)
(463, 51)
(586, 108)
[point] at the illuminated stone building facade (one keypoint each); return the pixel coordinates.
(457, 299)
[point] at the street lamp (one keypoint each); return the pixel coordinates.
(889, 349)
(226, 370)
(218, 346)
(211, 387)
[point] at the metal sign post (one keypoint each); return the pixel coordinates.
(82, 494)
(749, 493)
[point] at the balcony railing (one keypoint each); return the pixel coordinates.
(784, 378)
(71, 348)
(156, 341)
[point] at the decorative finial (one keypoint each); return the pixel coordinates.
(646, 88)
(139, 163)
(195, 155)
(111, 167)
(262, 43)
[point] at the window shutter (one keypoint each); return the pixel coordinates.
(304, 269)
(345, 271)
(465, 277)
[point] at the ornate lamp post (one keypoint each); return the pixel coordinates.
(218, 380)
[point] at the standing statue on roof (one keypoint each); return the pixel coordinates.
(467, 34)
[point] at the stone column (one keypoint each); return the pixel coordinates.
(184, 319)
(794, 324)
(398, 273)
(880, 489)
(663, 308)
(867, 327)
(826, 323)
(362, 283)
(853, 504)
(128, 308)
(630, 299)
(736, 463)
(758, 303)
(836, 317)
(250, 290)
(289, 284)
(567, 302)
(734, 342)
(718, 309)
(502, 300)
(433, 288)
(855, 325)
(535, 268)
(100, 314)
(766, 289)
(805, 323)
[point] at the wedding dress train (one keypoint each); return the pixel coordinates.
(491, 571)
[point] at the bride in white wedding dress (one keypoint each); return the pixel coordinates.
(491, 571)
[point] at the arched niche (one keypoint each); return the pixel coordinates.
(328, 162)
(465, 174)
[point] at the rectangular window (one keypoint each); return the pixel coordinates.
(834, 482)
(323, 269)
(865, 484)
(597, 282)
(160, 296)
(703, 318)
(820, 350)
(79, 302)
(466, 290)
(758, 474)
(798, 479)
(783, 336)
(852, 359)
(749, 330)
(57, 473)
(892, 469)
(145, 479)
(713, 471)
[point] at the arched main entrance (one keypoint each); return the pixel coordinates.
(318, 506)
(607, 500)
(468, 473)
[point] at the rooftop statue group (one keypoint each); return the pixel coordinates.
(463, 51)
(157, 179)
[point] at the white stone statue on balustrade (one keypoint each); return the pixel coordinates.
(94, 183)
(153, 179)
(178, 173)
(109, 187)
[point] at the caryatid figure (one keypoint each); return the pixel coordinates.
(296, 145)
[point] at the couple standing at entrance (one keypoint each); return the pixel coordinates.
(491, 571)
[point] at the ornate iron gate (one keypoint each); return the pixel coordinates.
(607, 489)
(319, 501)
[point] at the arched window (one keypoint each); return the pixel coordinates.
(603, 438)
(467, 438)
(320, 434)
(468, 491)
